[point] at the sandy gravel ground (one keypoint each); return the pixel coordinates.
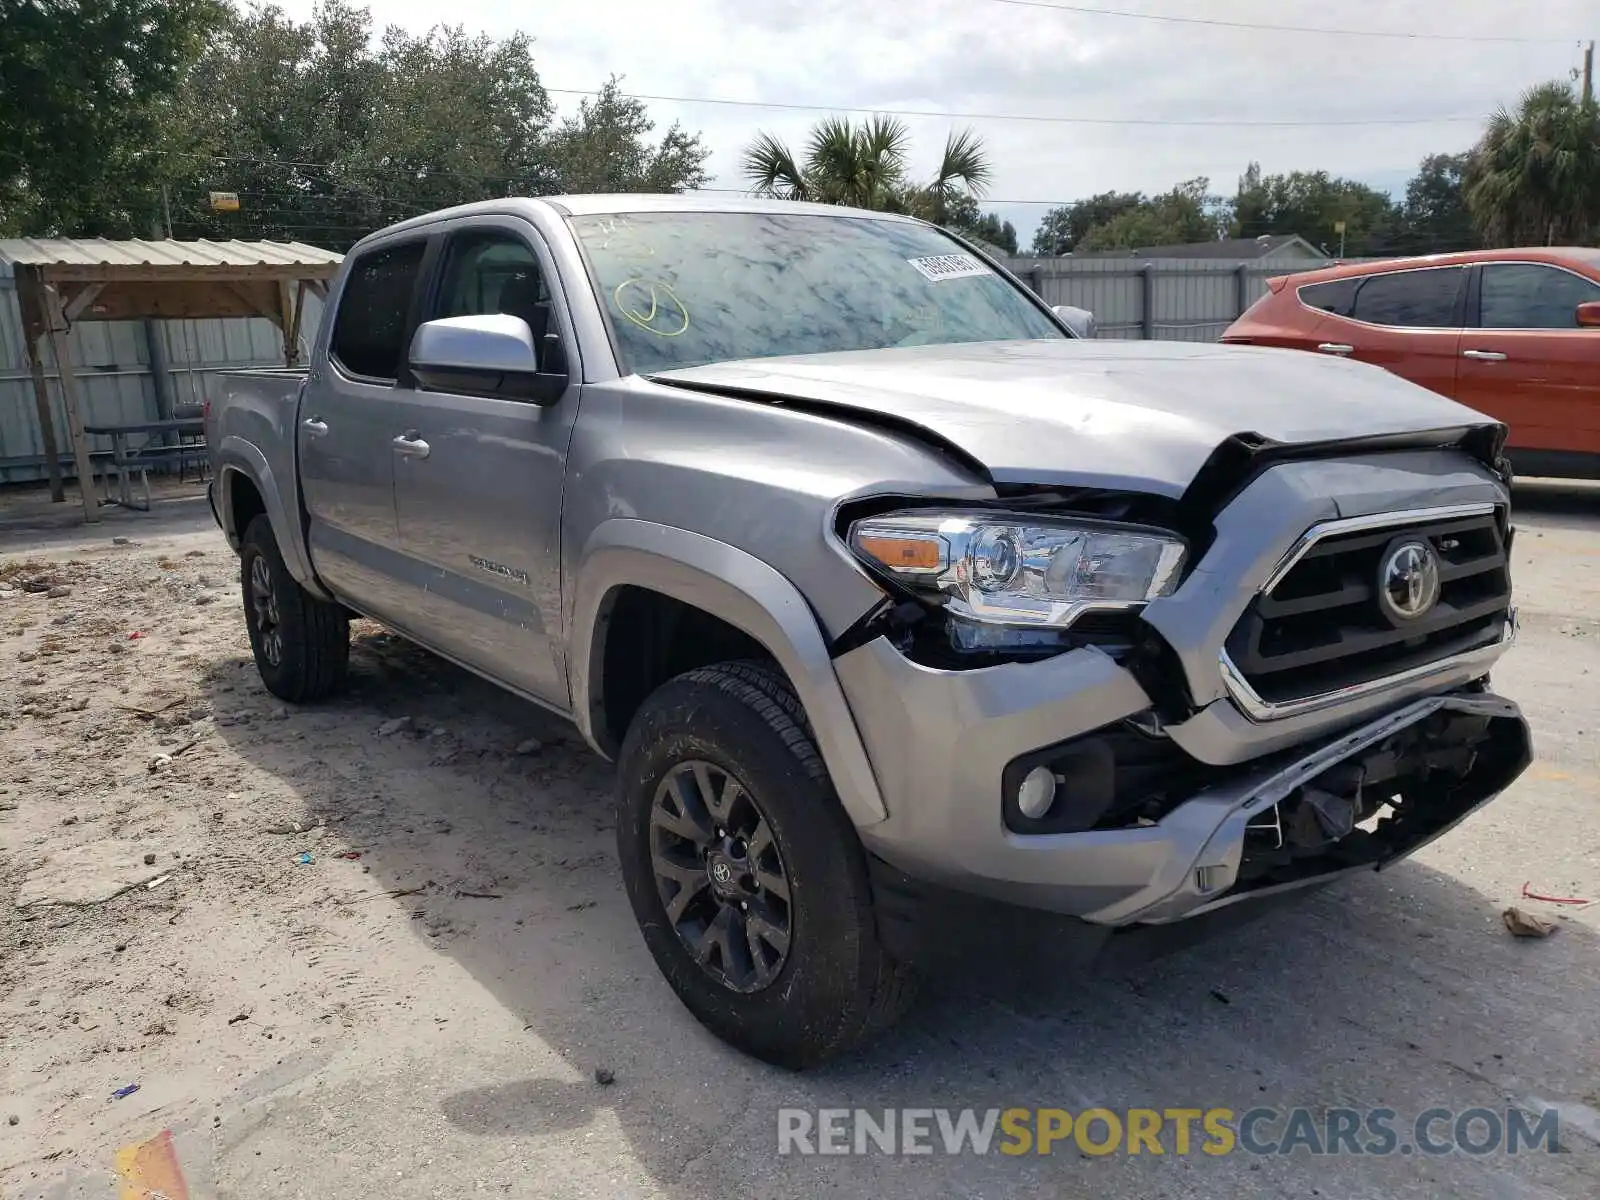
(378, 948)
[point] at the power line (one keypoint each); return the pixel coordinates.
(1259, 27)
(1036, 117)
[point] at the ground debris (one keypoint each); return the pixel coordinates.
(1526, 925)
(293, 827)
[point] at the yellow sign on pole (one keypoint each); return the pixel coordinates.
(225, 201)
(1338, 226)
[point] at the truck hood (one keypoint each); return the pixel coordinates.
(1140, 416)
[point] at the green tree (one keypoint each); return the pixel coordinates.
(606, 148)
(990, 228)
(1188, 213)
(963, 216)
(1534, 176)
(88, 91)
(327, 136)
(1063, 228)
(1311, 204)
(1435, 216)
(865, 166)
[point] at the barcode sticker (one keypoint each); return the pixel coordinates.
(939, 267)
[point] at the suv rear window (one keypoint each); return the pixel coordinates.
(1410, 299)
(369, 331)
(1337, 296)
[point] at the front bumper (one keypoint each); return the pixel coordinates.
(941, 741)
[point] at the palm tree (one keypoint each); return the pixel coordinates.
(1534, 177)
(865, 166)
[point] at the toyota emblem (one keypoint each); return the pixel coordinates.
(1408, 581)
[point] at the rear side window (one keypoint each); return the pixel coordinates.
(1527, 296)
(370, 329)
(1337, 296)
(1410, 299)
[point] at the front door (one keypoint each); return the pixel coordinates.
(1408, 322)
(1526, 361)
(478, 480)
(345, 461)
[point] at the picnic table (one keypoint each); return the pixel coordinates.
(153, 450)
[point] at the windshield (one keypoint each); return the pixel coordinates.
(685, 288)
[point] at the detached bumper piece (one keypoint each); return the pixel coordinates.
(1241, 845)
(1385, 801)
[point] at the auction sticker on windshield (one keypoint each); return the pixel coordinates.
(949, 266)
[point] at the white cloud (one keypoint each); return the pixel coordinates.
(981, 56)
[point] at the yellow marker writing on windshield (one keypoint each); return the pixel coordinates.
(671, 313)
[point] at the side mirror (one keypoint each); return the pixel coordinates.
(490, 355)
(1589, 314)
(1079, 320)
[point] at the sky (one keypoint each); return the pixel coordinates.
(1396, 99)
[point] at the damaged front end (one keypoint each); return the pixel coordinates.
(1363, 800)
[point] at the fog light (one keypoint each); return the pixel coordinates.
(1037, 793)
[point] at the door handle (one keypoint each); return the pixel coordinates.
(410, 445)
(1484, 355)
(1336, 348)
(314, 426)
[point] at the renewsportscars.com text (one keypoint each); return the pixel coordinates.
(1166, 1131)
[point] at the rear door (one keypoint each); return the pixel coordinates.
(345, 460)
(1408, 322)
(1527, 362)
(478, 477)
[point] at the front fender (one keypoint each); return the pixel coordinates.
(741, 590)
(235, 454)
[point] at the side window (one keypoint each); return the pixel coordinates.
(1337, 296)
(1527, 296)
(493, 272)
(370, 328)
(1410, 299)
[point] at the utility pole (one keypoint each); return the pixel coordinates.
(1588, 74)
(166, 208)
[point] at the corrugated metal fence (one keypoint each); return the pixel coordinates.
(1173, 299)
(111, 360)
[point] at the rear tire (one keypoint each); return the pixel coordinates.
(747, 879)
(301, 644)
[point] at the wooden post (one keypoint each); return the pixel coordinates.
(299, 319)
(47, 423)
(30, 297)
(288, 322)
(57, 319)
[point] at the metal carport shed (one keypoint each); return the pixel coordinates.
(63, 280)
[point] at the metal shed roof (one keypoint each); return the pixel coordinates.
(101, 257)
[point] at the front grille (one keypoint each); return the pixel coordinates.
(1321, 627)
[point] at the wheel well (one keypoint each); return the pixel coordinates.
(244, 502)
(651, 638)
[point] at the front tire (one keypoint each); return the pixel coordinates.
(746, 876)
(301, 644)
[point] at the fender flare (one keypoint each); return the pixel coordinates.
(740, 589)
(235, 454)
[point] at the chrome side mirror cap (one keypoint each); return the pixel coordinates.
(489, 355)
(1079, 320)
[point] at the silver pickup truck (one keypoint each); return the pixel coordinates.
(917, 624)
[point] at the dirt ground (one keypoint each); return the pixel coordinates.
(378, 946)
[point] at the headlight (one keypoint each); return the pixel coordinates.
(1016, 571)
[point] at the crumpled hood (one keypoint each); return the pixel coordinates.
(1142, 416)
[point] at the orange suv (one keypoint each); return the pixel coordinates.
(1512, 333)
